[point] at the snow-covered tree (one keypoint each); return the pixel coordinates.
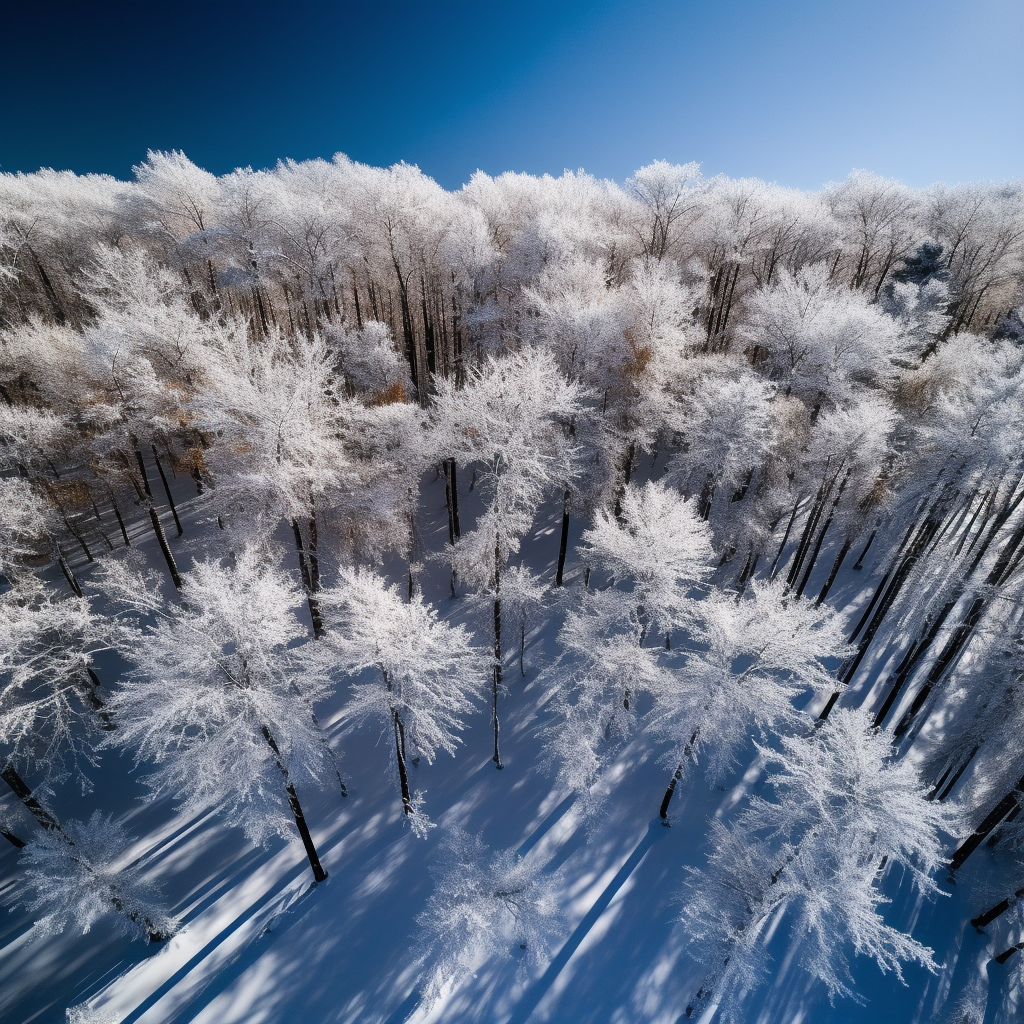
(522, 597)
(293, 446)
(819, 342)
(219, 697)
(660, 547)
(486, 905)
(80, 873)
(507, 421)
(50, 706)
(25, 529)
(753, 657)
(727, 428)
(603, 668)
(666, 196)
(843, 806)
(426, 673)
(659, 551)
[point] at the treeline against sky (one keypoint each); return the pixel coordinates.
(753, 399)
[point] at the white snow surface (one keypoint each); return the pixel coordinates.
(261, 944)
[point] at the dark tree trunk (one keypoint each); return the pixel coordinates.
(918, 650)
(311, 552)
(911, 660)
(991, 820)
(496, 684)
(676, 776)
(808, 533)
(12, 838)
(1007, 953)
(403, 772)
(998, 832)
(51, 293)
(456, 527)
(448, 500)
(896, 579)
(120, 521)
(749, 568)
(93, 696)
(785, 539)
(81, 540)
(76, 587)
(563, 543)
(859, 564)
(21, 790)
(944, 791)
(963, 633)
(167, 491)
(296, 808)
(834, 572)
(667, 798)
(154, 519)
(307, 583)
(428, 330)
(165, 548)
(821, 537)
(627, 473)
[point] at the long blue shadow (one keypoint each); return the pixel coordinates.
(532, 998)
(997, 978)
(237, 923)
(205, 895)
(406, 1010)
(546, 825)
(229, 974)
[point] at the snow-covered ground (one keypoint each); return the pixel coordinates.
(260, 943)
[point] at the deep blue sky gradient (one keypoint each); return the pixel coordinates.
(797, 91)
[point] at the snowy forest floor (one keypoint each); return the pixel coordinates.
(260, 944)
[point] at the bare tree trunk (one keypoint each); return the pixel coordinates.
(154, 519)
(563, 543)
(165, 548)
(12, 838)
(859, 564)
(93, 696)
(76, 587)
(627, 473)
(821, 537)
(748, 570)
(963, 633)
(167, 491)
(448, 500)
(21, 790)
(296, 808)
(676, 776)
(307, 583)
(992, 913)
(120, 521)
(991, 820)
(785, 538)
(496, 685)
(455, 499)
(834, 572)
(940, 791)
(1007, 953)
(403, 772)
(808, 532)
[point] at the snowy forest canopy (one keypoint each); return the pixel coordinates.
(785, 428)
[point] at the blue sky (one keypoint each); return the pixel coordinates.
(795, 91)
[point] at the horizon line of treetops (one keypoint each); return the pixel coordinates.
(814, 378)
